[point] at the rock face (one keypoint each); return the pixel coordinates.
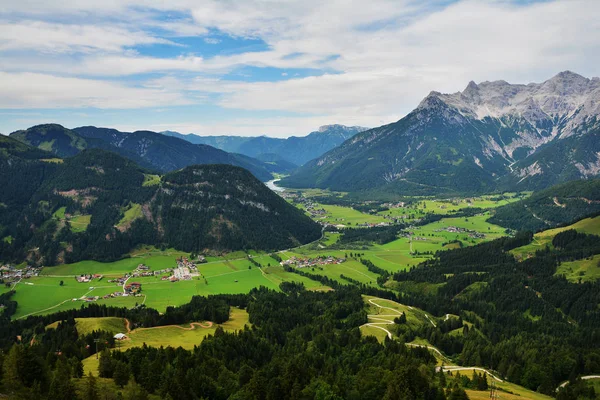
(492, 135)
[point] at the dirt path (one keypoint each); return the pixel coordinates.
(385, 321)
(193, 325)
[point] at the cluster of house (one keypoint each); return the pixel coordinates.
(311, 262)
(372, 225)
(113, 295)
(399, 204)
(132, 288)
(142, 270)
(119, 281)
(455, 229)
(10, 273)
(88, 278)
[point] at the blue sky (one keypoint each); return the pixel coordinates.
(280, 68)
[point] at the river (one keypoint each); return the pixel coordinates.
(271, 185)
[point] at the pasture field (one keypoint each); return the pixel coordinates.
(154, 259)
(584, 270)
(131, 214)
(544, 238)
(88, 325)
(44, 295)
(348, 216)
(448, 206)
(182, 336)
(506, 389)
(151, 180)
(60, 213)
(79, 223)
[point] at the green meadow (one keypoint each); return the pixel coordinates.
(544, 238)
(88, 325)
(581, 270)
(79, 223)
(133, 212)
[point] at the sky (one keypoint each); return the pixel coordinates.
(272, 67)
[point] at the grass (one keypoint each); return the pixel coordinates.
(79, 223)
(176, 337)
(544, 238)
(507, 390)
(53, 160)
(581, 270)
(88, 325)
(7, 239)
(151, 180)
(133, 212)
(349, 216)
(60, 213)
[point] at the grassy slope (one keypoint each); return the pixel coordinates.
(586, 270)
(416, 317)
(544, 238)
(131, 214)
(88, 325)
(176, 337)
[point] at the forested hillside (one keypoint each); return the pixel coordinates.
(558, 205)
(148, 149)
(98, 205)
(303, 345)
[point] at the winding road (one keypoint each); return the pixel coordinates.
(385, 321)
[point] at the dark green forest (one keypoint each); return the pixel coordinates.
(200, 208)
(557, 206)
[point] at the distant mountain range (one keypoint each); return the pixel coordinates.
(295, 150)
(491, 136)
(148, 149)
(99, 205)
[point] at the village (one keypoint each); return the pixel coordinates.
(311, 262)
(454, 229)
(183, 271)
(10, 274)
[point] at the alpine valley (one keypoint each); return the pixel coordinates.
(454, 254)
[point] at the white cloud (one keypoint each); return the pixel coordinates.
(382, 57)
(31, 90)
(64, 38)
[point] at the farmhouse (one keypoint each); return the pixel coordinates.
(133, 288)
(120, 336)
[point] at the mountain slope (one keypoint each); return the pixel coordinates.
(558, 205)
(53, 138)
(198, 208)
(491, 135)
(297, 150)
(167, 153)
(148, 149)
